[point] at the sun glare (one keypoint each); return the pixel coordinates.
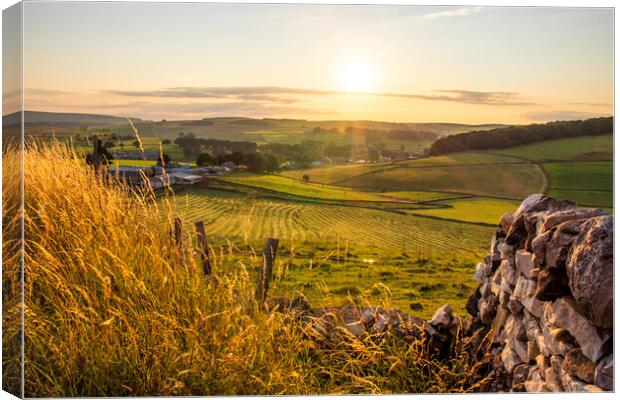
(357, 77)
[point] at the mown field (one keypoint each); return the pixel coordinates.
(476, 209)
(344, 249)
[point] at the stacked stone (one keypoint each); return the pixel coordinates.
(546, 299)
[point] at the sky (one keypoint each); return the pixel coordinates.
(389, 63)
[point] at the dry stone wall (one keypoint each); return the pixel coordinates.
(545, 299)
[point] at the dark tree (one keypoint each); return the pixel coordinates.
(204, 159)
(270, 163)
(166, 141)
(306, 178)
(254, 162)
(163, 160)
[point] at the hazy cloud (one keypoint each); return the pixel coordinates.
(154, 110)
(558, 115)
(277, 94)
(459, 12)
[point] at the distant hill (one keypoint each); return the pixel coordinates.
(512, 136)
(63, 120)
(415, 136)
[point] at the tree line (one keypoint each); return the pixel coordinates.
(512, 136)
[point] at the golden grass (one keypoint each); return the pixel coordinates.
(114, 309)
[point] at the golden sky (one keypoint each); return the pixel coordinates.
(390, 63)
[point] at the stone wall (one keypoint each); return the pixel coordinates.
(545, 300)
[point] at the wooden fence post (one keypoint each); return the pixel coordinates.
(203, 247)
(178, 229)
(269, 257)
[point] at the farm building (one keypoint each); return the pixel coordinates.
(182, 178)
(230, 166)
(160, 181)
(134, 175)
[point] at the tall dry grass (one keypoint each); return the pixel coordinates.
(113, 309)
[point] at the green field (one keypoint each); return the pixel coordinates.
(587, 183)
(476, 209)
(579, 148)
(509, 180)
(348, 249)
(300, 188)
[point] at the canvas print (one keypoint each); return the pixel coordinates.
(296, 199)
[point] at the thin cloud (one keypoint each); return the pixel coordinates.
(277, 94)
(459, 12)
(559, 115)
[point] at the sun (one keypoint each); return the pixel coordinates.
(357, 77)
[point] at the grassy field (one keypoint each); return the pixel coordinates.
(579, 148)
(333, 174)
(114, 308)
(476, 209)
(346, 249)
(300, 188)
(587, 183)
(510, 180)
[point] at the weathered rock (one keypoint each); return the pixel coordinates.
(380, 324)
(515, 328)
(472, 303)
(552, 283)
(518, 346)
(494, 250)
(510, 358)
(506, 251)
(539, 248)
(498, 323)
(564, 313)
(535, 386)
(524, 261)
(558, 248)
(443, 319)
(519, 376)
(570, 383)
(509, 272)
(488, 309)
(543, 364)
(578, 365)
(556, 218)
(533, 350)
(552, 380)
(368, 315)
(524, 292)
(604, 373)
(590, 270)
(356, 328)
(533, 203)
(480, 274)
(515, 306)
(505, 221)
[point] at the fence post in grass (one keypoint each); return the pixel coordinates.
(269, 257)
(203, 247)
(178, 229)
